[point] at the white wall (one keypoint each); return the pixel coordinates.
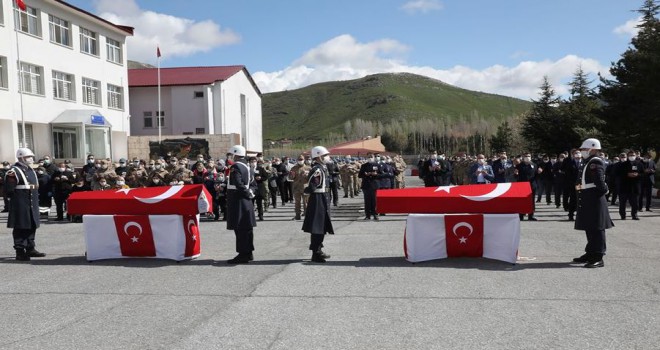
(232, 89)
(41, 52)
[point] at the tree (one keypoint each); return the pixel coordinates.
(544, 127)
(503, 138)
(632, 99)
(582, 109)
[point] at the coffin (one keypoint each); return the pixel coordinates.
(162, 200)
(502, 198)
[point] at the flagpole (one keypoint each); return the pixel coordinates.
(20, 81)
(159, 110)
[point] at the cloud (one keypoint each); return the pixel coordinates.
(629, 28)
(423, 6)
(176, 36)
(344, 58)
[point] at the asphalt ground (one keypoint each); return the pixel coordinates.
(366, 297)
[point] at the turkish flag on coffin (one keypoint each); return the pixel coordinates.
(437, 236)
(503, 198)
(173, 237)
(162, 200)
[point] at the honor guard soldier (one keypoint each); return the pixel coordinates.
(317, 215)
(592, 213)
(23, 191)
(370, 174)
(240, 210)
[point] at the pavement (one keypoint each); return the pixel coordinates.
(366, 297)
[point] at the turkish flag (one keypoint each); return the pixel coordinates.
(161, 200)
(464, 235)
(191, 230)
(174, 237)
(135, 235)
(502, 198)
(438, 236)
(21, 5)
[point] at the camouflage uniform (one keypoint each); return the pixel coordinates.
(298, 174)
(348, 171)
(104, 172)
(400, 165)
(460, 171)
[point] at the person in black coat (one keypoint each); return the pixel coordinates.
(45, 188)
(647, 183)
(571, 167)
(547, 178)
(333, 171)
(592, 213)
(558, 178)
(370, 173)
(526, 172)
(240, 211)
(437, 170)
(317, 214)
(62, 181)
(22, 188)
(630, 173)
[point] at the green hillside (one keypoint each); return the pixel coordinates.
(316, 110)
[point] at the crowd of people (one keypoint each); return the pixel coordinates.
(630, 176)
(275, 181)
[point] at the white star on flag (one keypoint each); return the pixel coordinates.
(135, 239)
(463, 240)
(445, 188)
(194, 238)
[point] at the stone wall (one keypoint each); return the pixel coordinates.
(138, 146)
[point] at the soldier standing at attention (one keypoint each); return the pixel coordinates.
(240, 210)
(317, 216)
(22, 188)
(299, 174)
(592, 213)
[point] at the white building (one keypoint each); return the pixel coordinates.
(74, 81)
(197, 101)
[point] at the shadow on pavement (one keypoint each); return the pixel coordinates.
(128, 262)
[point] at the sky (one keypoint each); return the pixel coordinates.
(504, 47)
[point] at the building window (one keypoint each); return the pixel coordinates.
(31, 79)
(3, 72)
(161, 113)
(162, 122)
(147, 114)
(199, 94)
(59, 31)
(115, 98)
(29, 138)
(200, 131)
(113, 47)
(63, 87)
(89, 42)
(65, 142)
(27, 21)
(148, 122)
(91, 94)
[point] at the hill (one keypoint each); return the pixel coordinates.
(315, 111)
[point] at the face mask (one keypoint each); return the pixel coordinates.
(434, 156)
(632, 158)
(584, 154)
(372, 159)
(97, 165)
(7, 167)
(62, 170)
(527, 159)
(308, 162)
(102, 184)
(46, 161)
(122, 164)
(90, 161)
(156, 181)
(136, 163)
(481, 161)
(326, 159)
(253, 165)
(442, 157)
(553, 160)
(120, 183)
(40, 172)
(378, 159)
(301, 162)
(157, 166)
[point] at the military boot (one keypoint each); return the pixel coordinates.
(21, 255)
(35, 253)
(318, 257)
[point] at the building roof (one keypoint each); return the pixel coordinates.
(125, 29)
(177, 76)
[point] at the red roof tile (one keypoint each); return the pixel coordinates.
(181, 75)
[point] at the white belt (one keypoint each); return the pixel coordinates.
(584, 187)
(231, 187)
(26, 187)
(320, 191)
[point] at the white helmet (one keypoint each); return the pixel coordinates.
(319, 151)
(24, 152)
(237, 150)
(590, 144)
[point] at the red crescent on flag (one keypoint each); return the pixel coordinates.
(462, 224)
(191, 222)
(161, 197)
(499, 190)
(131, 224)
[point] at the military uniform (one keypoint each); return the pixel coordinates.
(182, 176)
(104, 172)
(21, 185)
(592, 213)
(400, 167)
(347, 172)
(630, 173)
(370, 174)
(527, 173)
(317, 215)
(299, 175)
(62, 183)
(240, 210)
